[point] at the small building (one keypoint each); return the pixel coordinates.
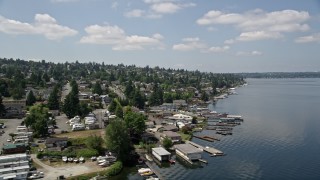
(188, 152)
(161, 154)
(56, 142)
(14, 148)
(173, 136)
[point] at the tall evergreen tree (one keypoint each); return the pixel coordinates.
(97, 88)
(53, 101)
(71, 104)
(31, 99)
(2, 108)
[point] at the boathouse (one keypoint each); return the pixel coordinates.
(161, 154)
(188, 152)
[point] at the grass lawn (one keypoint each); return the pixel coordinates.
(185, 137)
(82, 134)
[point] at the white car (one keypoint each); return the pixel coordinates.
(8, 140)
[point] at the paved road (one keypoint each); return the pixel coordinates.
(65, 91)
(11, 128)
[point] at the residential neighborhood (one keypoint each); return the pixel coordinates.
(71, 115)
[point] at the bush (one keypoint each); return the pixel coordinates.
(87, 153)
(111, 171)
(114, 169)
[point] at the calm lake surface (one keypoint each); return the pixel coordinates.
(279, 138)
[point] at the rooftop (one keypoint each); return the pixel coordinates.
(171, 134)
(161, 151)
(187, 148)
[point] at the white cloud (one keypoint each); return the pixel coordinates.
(258, 24)
(258, 35)
(134, 13)
(189, 44)
(194, 43)
(252, 53)
(308, 39)
(44, 24)
(229, 41)
(115, 36)
(165, 8)
(157, 8)
(217, 49)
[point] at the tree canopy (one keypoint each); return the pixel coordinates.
(31, 99)
(135, 123)
(117, 138)
(38, 120)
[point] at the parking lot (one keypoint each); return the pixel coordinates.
(11, 125)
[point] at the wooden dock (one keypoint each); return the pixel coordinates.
(207, 138)
(155, 171)
(210, 150)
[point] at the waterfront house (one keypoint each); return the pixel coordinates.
(188, 152)
(173, 136)
(161, 154)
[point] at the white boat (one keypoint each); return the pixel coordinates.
(143, 170)
(104, 164)
(65, 159)
(149, 158)
(81, 159)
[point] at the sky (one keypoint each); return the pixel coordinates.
(220, 36)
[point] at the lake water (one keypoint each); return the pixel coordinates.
(279, 138)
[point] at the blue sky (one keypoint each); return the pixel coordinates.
(214, 36)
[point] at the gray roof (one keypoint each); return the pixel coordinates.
(171, 134)
(161, 151)
(187, 148)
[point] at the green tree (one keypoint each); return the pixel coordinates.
(18, 92)
(117, 138)
(71, 103)
(135, 123)
(167, 143)
(38, 120)
(95, 142)
(138, 99)
(31, 99)
(113, 105)
(119, 111)
(156, 97)
(53, 101)
(2, 108)
(204, 96)
(84, 109)
(97, 88)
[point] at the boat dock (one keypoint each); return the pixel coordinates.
(207, 138)
(155, 171)
(210, 150)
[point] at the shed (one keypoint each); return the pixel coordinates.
(161, 154)
(188, 152)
